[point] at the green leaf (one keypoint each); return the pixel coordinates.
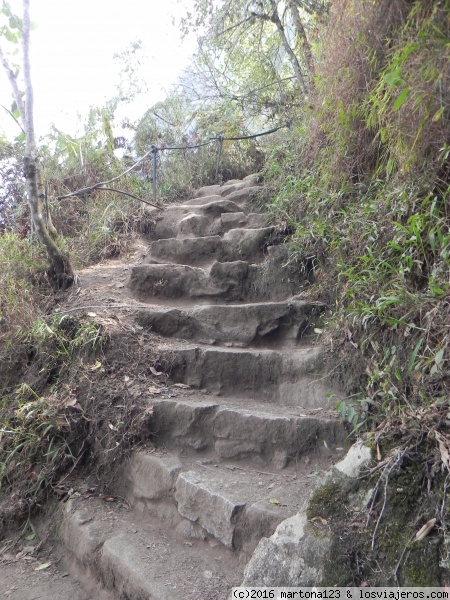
(393, 78)
(414, 355)
(438, 114)
(274, 501)
(439, 356)
(401, 99)
(10, 36)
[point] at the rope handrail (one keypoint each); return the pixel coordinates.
(154, 150)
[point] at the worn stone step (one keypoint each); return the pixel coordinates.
(292, 377)
(239, 429)
(236, 505)
(192, 224)
(236, 244)
(221, 280)
(130, 558)
(228, 187)
(237, 324)
(169, 223)
(232, 281)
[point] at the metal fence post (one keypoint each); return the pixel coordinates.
(154, 151)
(219, 155)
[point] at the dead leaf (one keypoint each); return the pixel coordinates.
(425, 530)
(320, 519)
(378, 453)
(91, 314)
(71, 401)
(155, 372)
(154, 390)
(111, 426)
(43, 566)
(444, 448)
(317, 330)
(126, 378)
(183, 386)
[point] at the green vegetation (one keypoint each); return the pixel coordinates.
(359, 186)
(366, 197)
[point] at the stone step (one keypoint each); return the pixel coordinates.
(236, 324)
(221, 280)
(236, 244)
(169, 223)
(293, 377)
(233, 504)
(271, 280)
(229, 187)
(238, 429)
(192, 224)
(129, 558)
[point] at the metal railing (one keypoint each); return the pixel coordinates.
(155, 151)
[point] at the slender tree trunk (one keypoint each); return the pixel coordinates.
(62, 270)
(301, 33)
(275, 18)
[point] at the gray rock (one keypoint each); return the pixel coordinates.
(200, 200)
(200, 501)
(293, 557)
(357, 458)
(174, 281)
(245, 243)
(192, 251)
(152, 476)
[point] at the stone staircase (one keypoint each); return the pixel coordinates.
(242, 445)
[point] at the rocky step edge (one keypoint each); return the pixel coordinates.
(292, 376)
(272, 280)
(189, 527)
(262, 435)
(236, 244)
(122, 557)
(238, 325)
(210, 215)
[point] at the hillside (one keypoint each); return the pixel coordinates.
(215, 322)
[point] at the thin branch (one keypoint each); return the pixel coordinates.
(103, 183)
(107, 189)
(13, 117)
(250, 18)
(15, 88)
(388, 472)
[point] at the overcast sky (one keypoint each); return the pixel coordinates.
(72, 52)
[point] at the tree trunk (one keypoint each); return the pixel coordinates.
(61, 270)
(301, 33)
(275, 18)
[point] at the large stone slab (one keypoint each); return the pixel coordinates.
(237, 244)
(152, 476)
(237, 324)
(213, 504)
(279, 437)
(293, 557)
(245, 243)
(238, 506)
(292, 377)
(175, 281)
(145, 559)
(189, 251)
(172, 220)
